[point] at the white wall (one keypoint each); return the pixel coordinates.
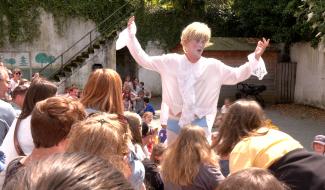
(310, 80)
(151, 79)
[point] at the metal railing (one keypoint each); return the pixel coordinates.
(102, 31)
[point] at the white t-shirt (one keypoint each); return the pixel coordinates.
(24, 138)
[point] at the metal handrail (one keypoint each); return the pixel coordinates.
(83, 37)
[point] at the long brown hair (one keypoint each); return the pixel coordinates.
(39, 89)
(182, 160)
(103, 91)
(242, 120)
(134, 121)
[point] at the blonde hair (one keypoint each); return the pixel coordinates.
(196, 30)
(102, 134)
(182, 160)
(103, 91)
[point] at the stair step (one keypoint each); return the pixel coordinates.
(91, 50)
(102, 41)
(85, 54)
(80, 59)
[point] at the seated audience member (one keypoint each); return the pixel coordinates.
(136, 86)
(69, 171)
(18, 96)
(164, 112)
(226, 105)
(147, 106)
(319, 144)
(190, 163)
(153, 179)
(103, 92)
(51, 122)
(18, 141)
(107, 136)
(252, 179)
(74, 92)
(128, 82)
(134, 121)
(139, 103)
(248, 143)
(149, 133)
(157, 153)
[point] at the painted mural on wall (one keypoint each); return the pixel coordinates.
(43, 58)
(16, 59)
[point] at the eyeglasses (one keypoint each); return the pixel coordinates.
(18, 73)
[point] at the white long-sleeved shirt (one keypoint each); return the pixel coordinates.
(192, 89)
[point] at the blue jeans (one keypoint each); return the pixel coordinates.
(173, 129)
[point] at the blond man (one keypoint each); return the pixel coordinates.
(191, 83)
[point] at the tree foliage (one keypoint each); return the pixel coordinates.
(162, 20)
(312, 12)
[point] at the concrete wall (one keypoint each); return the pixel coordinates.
(47, 46)
(310, 81)
(151, 79)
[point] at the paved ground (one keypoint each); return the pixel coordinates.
(301, 128)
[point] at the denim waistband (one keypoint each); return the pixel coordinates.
(172, 124)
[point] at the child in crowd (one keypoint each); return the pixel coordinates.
(58, 114)
(103, 92)
(157, 153)
(153, 179)
(163, 121)
(226, 105)
(134, 121)
(148, 106)
(18, 97)
(319, 144)
(108, 136)
(190, 163)
(136, 86)
(128, 97)
(139, 103)
(128, 83)
(74, 92)
(191, 83)
(248, 143)
(19, 141)
(252, 179)
(148, 132)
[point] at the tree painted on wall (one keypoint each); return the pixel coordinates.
(23, 61)
(10, 61)
(43, 58)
